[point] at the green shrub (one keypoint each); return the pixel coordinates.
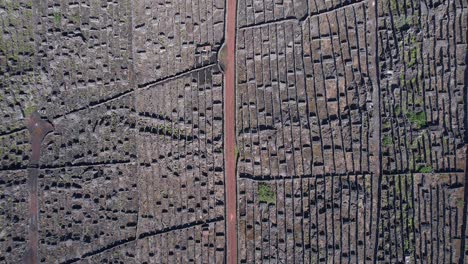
(57, 18)
(28, 110)
(387, 141)
(265, 194)
(417, 119)
(397, 110)
(413, 55)
(425, 169)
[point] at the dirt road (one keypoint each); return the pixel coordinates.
(38, 129)
(230, 134)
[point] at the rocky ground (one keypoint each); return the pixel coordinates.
(351, 131)
(350, 123)
(133, 172)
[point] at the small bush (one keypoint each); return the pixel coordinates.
(417, 119)
(28, 110)
(57, 18)
(413, 56)
(387, 141)
(265, 194)
(397, 110)
(425, 169)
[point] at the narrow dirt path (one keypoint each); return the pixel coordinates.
(38, 129)
(230, 134)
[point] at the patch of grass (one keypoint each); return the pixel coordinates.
(409, 206)
(386, 124)
(417, 119)
(28, 14)
(411, 224)
(28, 110)
(368, 183)
(13, 56)
(409, 98)
(460, 203)
(407, 246)
(419, 157)
(75, 18)
(393, 5)
(387, 141)
(398, 7)
(168, 130)
(404, 24)
(425, 169)
(445, 141)
(413, 55)
(419, 101)
(414, 144)
(397, 110)
(411, 163)
(266, 194)
(236, 149)
(12, 5)
(115, 120)
(397, 186)
(57, 18)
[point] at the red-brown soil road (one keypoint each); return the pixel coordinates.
(230, 134)
(38, 129)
